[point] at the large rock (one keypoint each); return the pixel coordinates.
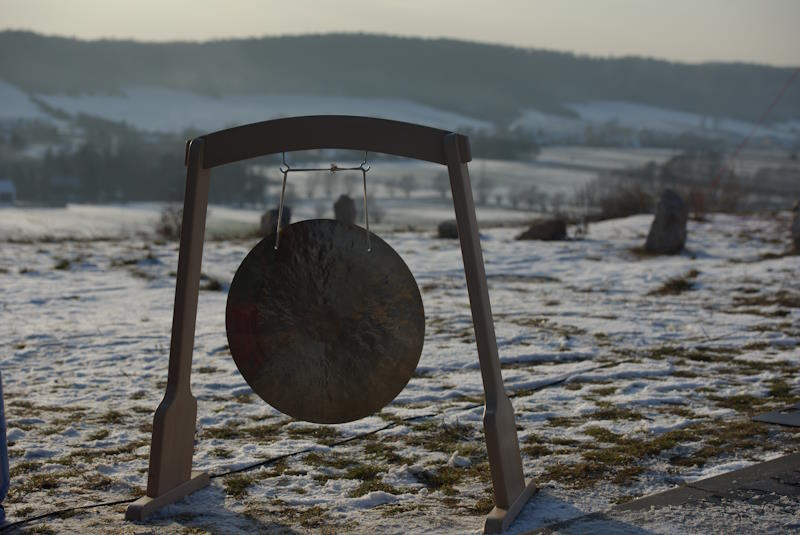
(546, 230)
(448, 230)
(269, 221)
(344, 209)
(796, 231)
(668, 231)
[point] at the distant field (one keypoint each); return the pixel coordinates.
(557, 170)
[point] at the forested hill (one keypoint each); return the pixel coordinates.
(487, 81)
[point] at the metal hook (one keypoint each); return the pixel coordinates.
(285, 168)
(366, 211)
(285, 172)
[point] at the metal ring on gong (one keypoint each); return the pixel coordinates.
(322, 329)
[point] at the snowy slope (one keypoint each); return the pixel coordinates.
(167, 110)
(640, 117)
(15, 104)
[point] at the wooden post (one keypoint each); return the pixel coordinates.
(170, 475)
(502, 444)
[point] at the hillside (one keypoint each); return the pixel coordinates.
(488, 82)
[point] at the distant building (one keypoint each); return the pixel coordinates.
(8, 193)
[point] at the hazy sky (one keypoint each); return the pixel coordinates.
(763, 31)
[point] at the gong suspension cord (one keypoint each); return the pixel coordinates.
(285, 169)
(526, 392)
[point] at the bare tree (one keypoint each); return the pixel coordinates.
(408, 184)
(169, 222)
(514, 197)
(376, 212)
(557, 201)
(484, 188)
(586, 195)
(350, 182)
(541, 200)
(290, 198)
(390, 186)
(311, 186)
(441, 183)
(329, 185)
(530, 196)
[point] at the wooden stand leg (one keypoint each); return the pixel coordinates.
(145, 506)
(170, 476)
(502, 444)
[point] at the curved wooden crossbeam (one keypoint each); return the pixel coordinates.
(170, 475)
(328, 132)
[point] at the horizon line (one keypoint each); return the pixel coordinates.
(397, 36)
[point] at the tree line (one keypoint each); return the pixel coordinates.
(111, 163)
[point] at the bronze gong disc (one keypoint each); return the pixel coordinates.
(322, 329)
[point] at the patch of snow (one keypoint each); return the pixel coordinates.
(15, 104)
(642, 117)
(372, 499)
(170, 110)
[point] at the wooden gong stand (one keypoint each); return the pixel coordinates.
(170, 475)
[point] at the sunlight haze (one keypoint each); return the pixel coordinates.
(681, 30)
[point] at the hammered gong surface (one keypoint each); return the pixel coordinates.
(322, 329)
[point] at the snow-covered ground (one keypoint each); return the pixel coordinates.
(80, 222)
(603, 157)
(16, 104)
(623, 382)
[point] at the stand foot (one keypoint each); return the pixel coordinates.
(146, 506)
(499, 520)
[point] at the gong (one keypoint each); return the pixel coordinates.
(328, 327)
